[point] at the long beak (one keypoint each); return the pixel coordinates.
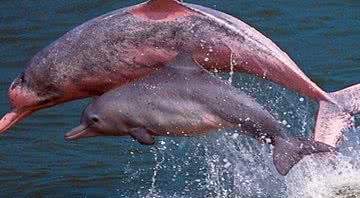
(82, 131)
(10, 119)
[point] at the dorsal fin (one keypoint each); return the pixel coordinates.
(184, 60)
(164, 10)
(163, 1)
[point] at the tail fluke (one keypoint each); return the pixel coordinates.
(333, 119)
(287, 153)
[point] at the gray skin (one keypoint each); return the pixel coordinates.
(175, 102)
(181, 99)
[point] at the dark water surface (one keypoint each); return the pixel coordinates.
(322, 37)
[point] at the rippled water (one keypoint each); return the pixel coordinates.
(35, 161)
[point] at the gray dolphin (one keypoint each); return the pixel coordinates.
(181, 99)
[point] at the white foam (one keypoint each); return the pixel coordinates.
(324, 178)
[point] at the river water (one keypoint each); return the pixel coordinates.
(323, 37)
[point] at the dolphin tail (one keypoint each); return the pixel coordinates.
(332, 118)
(287, 153)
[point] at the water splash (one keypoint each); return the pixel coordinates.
(232, 64)
(239, 166)
(320, 177)
(153, 192)
(324, 176)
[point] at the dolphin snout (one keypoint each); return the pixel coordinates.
(82, 131)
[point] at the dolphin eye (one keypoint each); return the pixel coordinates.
(95, 119)
(22, 77)
(18, 82)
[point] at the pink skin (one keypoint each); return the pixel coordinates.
(154, 10)
(275, 65)
(22, 104)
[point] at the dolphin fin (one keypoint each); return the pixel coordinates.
(164, 10)
(142, 136)
(287, 153)
(332, 119)
(163, 1)
(184, 62)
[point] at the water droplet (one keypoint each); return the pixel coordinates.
(267, 140)
(235, 136)
(227, 165)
